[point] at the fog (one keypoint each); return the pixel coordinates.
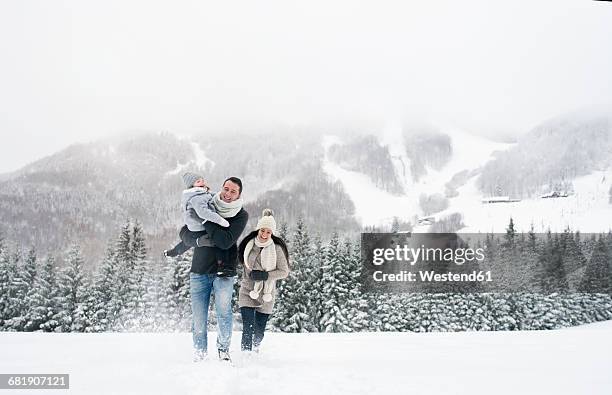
(75, 71)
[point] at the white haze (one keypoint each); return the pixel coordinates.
(80, 70)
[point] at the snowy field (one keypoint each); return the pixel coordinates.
(587, 210)
(568, 361)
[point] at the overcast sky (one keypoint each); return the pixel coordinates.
(79, 70)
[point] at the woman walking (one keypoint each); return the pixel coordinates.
(265, 260)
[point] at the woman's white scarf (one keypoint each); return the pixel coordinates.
(225, 209)
(268, 254)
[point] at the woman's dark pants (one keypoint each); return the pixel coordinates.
(253, 327)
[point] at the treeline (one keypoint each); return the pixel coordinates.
(324, 292)
(547, 263)
(129, 291)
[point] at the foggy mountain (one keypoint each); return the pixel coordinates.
(550, 157)
(335, 182)
(85, 192)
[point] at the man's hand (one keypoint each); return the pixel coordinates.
(259, 275)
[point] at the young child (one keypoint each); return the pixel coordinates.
(197, 208)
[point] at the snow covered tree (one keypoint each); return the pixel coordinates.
(356, 305)
(395, 225)
(597, 275)
(107, 305)
(531, 239)
(125, 265)
(552, 276)
(292, 308)
(6, 277)
(43, 299)
(72, 294)
(283, 232)
(510, 235)
(176, 296)
(28, 278)
(388, 313)
(315, 279)
(133, 275)
(335, 288)
(12, 298)
(155, 316)
(574, 260)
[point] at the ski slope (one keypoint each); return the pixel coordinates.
(568, 361)
(374, 206)
(587, 210)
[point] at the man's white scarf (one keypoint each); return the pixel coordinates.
(268, 254)
(225, 209)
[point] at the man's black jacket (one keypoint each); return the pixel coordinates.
(225, 249)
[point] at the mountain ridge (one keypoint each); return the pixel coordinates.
(86, 191)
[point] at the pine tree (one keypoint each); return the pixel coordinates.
(597, 275)
(5, 283)
(16, 288)
(335, 291)
(44, 301)
(573, 259)
(29, 277)
(531, 239)
(155, 318)
(134, 273)
(283, 231)
(510, 235)
(125, 265)
(72, 294)
(177, 293)
(395, 225)
(29, 268)
(552, 276)
(315, 279)
(292, 308)
(107, 304)
(356, 305)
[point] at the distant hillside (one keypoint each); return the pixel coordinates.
(550, 157)
(85, 192)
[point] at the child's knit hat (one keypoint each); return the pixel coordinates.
(267, 220)
(190, 178)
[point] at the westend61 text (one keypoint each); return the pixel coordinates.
(431, 276)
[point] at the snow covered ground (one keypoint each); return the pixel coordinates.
(586, 210)
(567, 361)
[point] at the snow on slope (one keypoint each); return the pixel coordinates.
(200, 161)
(469, 153)
(586, 210)
(564, 361)
(375, 206)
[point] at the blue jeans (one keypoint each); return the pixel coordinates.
(201, 287)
